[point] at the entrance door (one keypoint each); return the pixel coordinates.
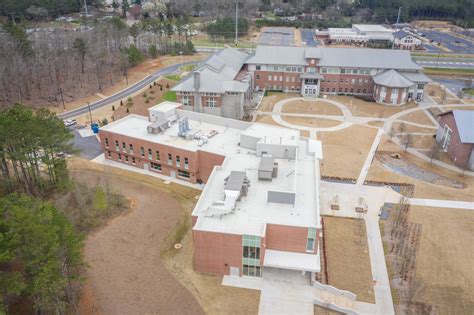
(172, 174)
(146, 167)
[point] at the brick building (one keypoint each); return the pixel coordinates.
(260, 205)
(456, 136)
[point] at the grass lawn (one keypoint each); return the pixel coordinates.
(469, 91)
(169, 96)
(173, 77)
(448, 71)
(188, 68)
(220, 43)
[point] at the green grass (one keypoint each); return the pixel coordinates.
(449, 72)
(469, 91)
(435, 55)
(220, 43)
(173, 77)
(169, 96)
(188, 68)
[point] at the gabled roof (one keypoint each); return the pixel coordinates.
(417, 77)
(278, 55)
(400, 34)
(217, 74)
(392, 78)
(465, 123)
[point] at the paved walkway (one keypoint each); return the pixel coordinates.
(437, 203)
(370, 157)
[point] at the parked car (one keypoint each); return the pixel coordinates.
(70, 122)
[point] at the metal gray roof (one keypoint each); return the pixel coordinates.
(235, 181)
(400, 34)
(417, 77)
(392, 78)
(278, 55)
(217, 74)
(465, 123)
(367, 58)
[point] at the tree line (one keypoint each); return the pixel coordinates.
(51, 68)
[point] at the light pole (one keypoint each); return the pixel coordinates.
(181, 55)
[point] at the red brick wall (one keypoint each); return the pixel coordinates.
(457, 150)
(190, 97)
(333, 82)
(287, 238)
(205, 98)
(200, 163)
(264, 82)
(217, 252)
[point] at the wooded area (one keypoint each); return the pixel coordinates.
(51, 68)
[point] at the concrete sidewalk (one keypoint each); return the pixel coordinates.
(437, 203)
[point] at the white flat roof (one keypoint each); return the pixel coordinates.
(165, 106)
(371, 28)
(252, 212)
(291, 260)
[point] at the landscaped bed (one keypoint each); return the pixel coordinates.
(316, 107)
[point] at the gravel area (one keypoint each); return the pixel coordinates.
(403, 167)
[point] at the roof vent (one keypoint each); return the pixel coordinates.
(268, 168)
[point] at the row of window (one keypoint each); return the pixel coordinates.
(346, 71)
(280, 68)
(210, 101)
(346, 90)
(149, 153)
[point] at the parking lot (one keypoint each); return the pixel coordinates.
(277, 36)
(451, 42)
(307, 37)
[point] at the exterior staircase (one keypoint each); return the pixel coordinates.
(338, 300)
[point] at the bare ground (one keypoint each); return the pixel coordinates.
(348, 254)
(422, 189)
(311, 122)
(411, 128)
(445, 260)
(418, 117)
(370, 109)
(269, 101)
(317, 107)
(126, 274)
(345, 151)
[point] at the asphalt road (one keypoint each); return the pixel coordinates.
(124, 93)
(278, 36)
(454, 63)
(453, 43)
(89, 147)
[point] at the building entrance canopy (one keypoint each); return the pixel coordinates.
(292, 261)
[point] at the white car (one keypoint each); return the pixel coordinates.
(70, 122)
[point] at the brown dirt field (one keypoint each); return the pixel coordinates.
(135, 74)
(269, 121)
(434, 90)
(418, 117)
(126, 274)
(370, 109)
(445, 260)
(148, 254)
(422, 189)
(318, 310)
(311, 122)
(311, 107)
(423, 142)
(347, 254)
(375, 123)
(411, 128)
(269, 101)
(459, 107)
(345, 150)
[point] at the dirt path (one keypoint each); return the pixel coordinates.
(126, 274)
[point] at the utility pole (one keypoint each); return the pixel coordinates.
(236, 22)
(62, 98)
(85, 7)
(90, 113)
(398, 20)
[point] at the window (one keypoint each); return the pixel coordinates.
(446, 139)
(281, 78)
(150, 154)
(106, 142)
(142, 151)
(343, 71)
(292, 79)
(287, 79)
(126, 158)
(269, 78)
(124, 147)
(275, 78)
(288, 69)
(293, 69)
(178, 161)
(354, 71)
(310, 242)
(275, 68)
(300, 69)
(324, 70)
(258, 67)
(185, 100)
(251, 255)
(257, 76)
(109, 154)
(186, 163)
(334, 89)
(184, 174)
(170, 159)
(340, 90)
(353, 81)
(157, 155)
(116, 145)
(420, 86)
(365, 91)
(156, 166)
(211, 102)
(130, 148)
(119, 156)
(133, 160)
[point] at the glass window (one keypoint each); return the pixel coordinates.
(106, 142)
(257, 76)
(211, 102)
(157, 155)
(119, 157)
(178, 161)
(311, 240)
(126, 158)
(142, 151)
(186, 163)
(184, 174)
(124, 147)
(116, 145)
(258, 67)
(155, 166)
(185, 100)
(133, 160)
(130, 148)
(343, 70)
(109, 154)
(170, 159)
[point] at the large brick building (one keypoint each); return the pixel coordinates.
(456, 136)
(260, 205)
(224, 84)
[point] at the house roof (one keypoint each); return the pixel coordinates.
(417, 77)
(465, 123)
(371, 28)
(279, 55)
(391, 78)
(400, 34)
(217, 74)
